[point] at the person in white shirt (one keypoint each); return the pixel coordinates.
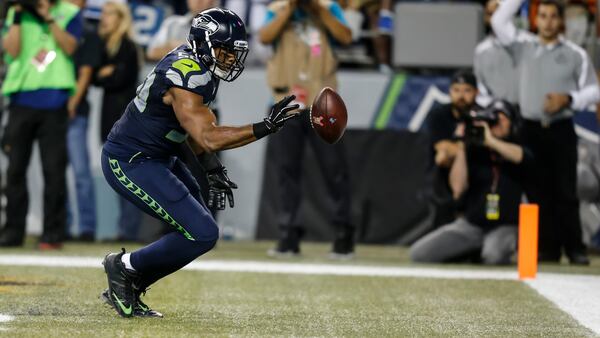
(556, 78)
(174, 30)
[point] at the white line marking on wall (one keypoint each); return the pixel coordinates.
(577, 295)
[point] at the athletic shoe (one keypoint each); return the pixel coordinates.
(43, 246)
(120, 284)
(10, 238)
(336, 256)
(288, 245)
(343, 245)
(578, 258)
(143, 310)
(140, 309)
(276, 253)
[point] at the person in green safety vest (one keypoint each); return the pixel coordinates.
(40, 77)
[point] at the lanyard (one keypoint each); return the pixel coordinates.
(495, 173)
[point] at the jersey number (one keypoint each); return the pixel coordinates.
(143, 91)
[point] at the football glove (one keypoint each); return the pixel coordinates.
(220, 189)
(276, 118)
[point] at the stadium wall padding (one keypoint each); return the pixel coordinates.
(389, 175)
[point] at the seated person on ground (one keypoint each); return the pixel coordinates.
(487, 173)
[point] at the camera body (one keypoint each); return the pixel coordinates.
(29, 6)
(475, 134)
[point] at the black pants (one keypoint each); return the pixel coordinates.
(553, 186)
(49, 127)
(288, 149)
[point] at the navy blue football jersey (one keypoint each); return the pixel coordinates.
(148, 127)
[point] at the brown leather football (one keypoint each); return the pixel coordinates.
(328, 115)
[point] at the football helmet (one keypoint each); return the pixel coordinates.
(219, 40)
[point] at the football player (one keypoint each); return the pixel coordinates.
(140, 162)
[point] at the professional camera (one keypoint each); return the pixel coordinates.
(27, 5)
(475, 134)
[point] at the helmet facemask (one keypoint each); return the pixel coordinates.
(229, 62)
(224, 61)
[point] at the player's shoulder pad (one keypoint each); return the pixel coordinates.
(183, 69)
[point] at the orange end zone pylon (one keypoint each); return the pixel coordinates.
(528, 240)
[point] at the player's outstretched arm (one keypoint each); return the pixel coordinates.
(201, 124)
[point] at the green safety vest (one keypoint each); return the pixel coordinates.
(23, 73)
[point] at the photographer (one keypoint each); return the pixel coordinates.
(441, 125)
(487, 172)
(40, 37)
(302, 33)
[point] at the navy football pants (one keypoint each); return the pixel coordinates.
(164, 189)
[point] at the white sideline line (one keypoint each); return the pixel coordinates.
(275, 267)
(577, 295)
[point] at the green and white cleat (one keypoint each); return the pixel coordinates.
(143, 310)
(140, 309)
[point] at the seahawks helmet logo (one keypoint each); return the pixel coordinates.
(207, 23)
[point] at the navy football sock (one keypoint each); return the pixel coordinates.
(167, 255)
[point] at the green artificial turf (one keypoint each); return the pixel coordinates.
(63, 302)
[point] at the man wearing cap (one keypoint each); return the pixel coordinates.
(441, 125)
(556, 78)
(487, 173)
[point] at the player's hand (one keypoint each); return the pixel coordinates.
(219, 189)
(279, 113)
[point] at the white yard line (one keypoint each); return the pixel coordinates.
(5, 319)
(577, 295)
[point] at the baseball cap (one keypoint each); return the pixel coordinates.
(464, 76)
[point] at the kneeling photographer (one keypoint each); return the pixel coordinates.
(487, 174)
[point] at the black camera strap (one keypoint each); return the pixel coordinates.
(495, 173)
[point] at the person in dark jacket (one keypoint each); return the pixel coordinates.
(118, 75)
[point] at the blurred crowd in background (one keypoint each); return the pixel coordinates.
(109, 42)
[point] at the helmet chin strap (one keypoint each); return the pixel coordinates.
(210, 61)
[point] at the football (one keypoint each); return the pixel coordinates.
(328, 115)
